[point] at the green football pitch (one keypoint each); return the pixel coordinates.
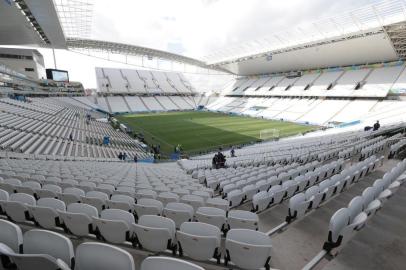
(198, 132)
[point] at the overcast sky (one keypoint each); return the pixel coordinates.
(192, 27)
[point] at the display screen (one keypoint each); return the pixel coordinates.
(58, 75)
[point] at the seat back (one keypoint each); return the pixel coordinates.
(338, 222)
(117, 214)
(48, 242)
(52, 203)
(154, 263)
(82, 208)
(22, 198)
(248, 249)
(11, 235)
(100, 256)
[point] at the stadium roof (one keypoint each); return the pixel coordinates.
(358, 37)
(374, 33)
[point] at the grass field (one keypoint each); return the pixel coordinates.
(201, 131)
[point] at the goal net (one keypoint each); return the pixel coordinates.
(269, 134)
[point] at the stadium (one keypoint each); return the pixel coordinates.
(188, 135)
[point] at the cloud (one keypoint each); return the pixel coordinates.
(194, 27)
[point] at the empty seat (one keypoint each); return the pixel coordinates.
(28, 187)
(31, 261)
(11, 235)
(78, 218)
(71, 195)
(218, 203)
(213, 216)
(155, 233)
(235, 197)
(147, 206)
(16, 207)
(46, 212)
(145, 193)
(371, 203)
(199, 241)
(3, 197)
(119, 201)
(193, 200)
(100, 256)
(261, 201)
(49, 243)
(115, 225)
(155, 263)
(10, 184)
(248, 249)
(179, 213)
(167, 197)
(95, 198)
(48, 191)
(240, 219)
(298, 206)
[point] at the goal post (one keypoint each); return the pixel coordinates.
(269, 134)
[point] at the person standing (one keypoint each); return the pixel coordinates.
(376, 126)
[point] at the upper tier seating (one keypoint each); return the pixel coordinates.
(111, 80)
(362, 82)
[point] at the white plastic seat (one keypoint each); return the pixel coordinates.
(114, 225)
(10, 184)
(32, 261)
(3, 197)
(17, 207)
(179, 213)
(28, 187)
(145, 193)
(249, 191)
(50, 243)
(371, 204)
(146, 206)
(95, 198)
(46, 212)
(155, 233)
(100, 256)
(218, 203)
(204, 194)
(211, 215)
(298, 206)
(277, 193)
(78, 218)
(167, 197)
(338, 223)
(240, 219)
(261, 201)
(155, 263)
(248, 249)
(71, 195)
(193, 200)
(235, 197)
(119, 201)
(48, 191)
(290, 186)
(199, 241)
(314, 195)
(11, 235)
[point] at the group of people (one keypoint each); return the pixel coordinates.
(219, 160)
(122, 156)
(156, 150)
(375, 127)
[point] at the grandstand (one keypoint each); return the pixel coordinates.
(328, 195)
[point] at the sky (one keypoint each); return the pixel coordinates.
(191, 27)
